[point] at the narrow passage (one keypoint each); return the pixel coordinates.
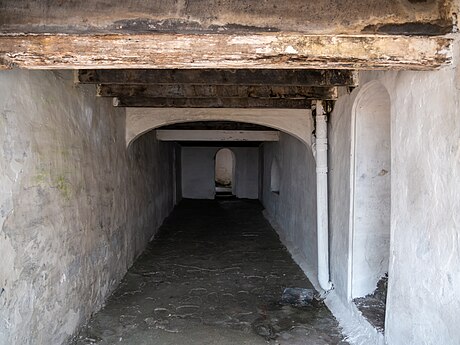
(214, 274)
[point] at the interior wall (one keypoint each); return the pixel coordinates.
(76, 206)
(423, 295)
(423, 299)
(292, 210)
(198, 168)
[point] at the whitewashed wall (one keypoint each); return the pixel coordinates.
(198, 168)
(293, 210)
(424, 274)
(76, 207)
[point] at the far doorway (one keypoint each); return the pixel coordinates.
(224, 176)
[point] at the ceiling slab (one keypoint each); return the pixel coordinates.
(225, 16)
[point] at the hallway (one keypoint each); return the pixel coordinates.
(214, 274)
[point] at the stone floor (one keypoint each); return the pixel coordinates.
(215, 274)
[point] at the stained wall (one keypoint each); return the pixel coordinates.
(76, 206)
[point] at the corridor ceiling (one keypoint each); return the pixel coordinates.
(225, 53)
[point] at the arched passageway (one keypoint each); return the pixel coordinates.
(224, 172)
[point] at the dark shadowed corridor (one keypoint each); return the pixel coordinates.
(214, 274)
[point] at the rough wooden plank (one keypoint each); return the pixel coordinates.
(217, 91)
(204, 77)
(263, 50)
(278, 103)
(215, 135)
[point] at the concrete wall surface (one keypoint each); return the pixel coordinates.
(198, 169)
(292, 211)
(76, 206)
(424, 274)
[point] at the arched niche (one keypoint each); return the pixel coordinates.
(370, 189)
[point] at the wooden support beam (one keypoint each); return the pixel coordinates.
(215, 135)
(262, 50)
(278, 103)
(217, 91)
(229, 77)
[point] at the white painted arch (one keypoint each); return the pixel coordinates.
(370, 189)
(296, 122)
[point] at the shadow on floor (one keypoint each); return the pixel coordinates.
(214, 274)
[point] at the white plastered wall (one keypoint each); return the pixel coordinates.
(198, 169)
(424, 267)
(76, 207)
(292, 211)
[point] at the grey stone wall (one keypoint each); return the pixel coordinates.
(76, 207)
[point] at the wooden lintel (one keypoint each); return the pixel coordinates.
(215, 135)
(217, 91)
(278, 103)
(205, 77)
(262, 50)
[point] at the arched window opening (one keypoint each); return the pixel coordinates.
(224, 172)
(275, 177)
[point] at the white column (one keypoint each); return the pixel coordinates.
(322, 197)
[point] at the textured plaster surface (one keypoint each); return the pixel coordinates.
(198, 169)
(76, 207)
(292, 211)
(423, 296)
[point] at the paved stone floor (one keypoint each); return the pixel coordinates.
(215, 274)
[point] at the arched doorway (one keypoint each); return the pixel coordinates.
(224, 177)
(371, 189)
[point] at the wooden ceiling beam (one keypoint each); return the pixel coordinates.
(212, 103)
(278, 50)
(217, 91)
(205, 77)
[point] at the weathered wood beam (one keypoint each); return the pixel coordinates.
(216, 135)
(205, 77)
(278, 103)
(262, 50)
(217, 91)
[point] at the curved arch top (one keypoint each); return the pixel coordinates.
(296, 122)
(370, 188)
